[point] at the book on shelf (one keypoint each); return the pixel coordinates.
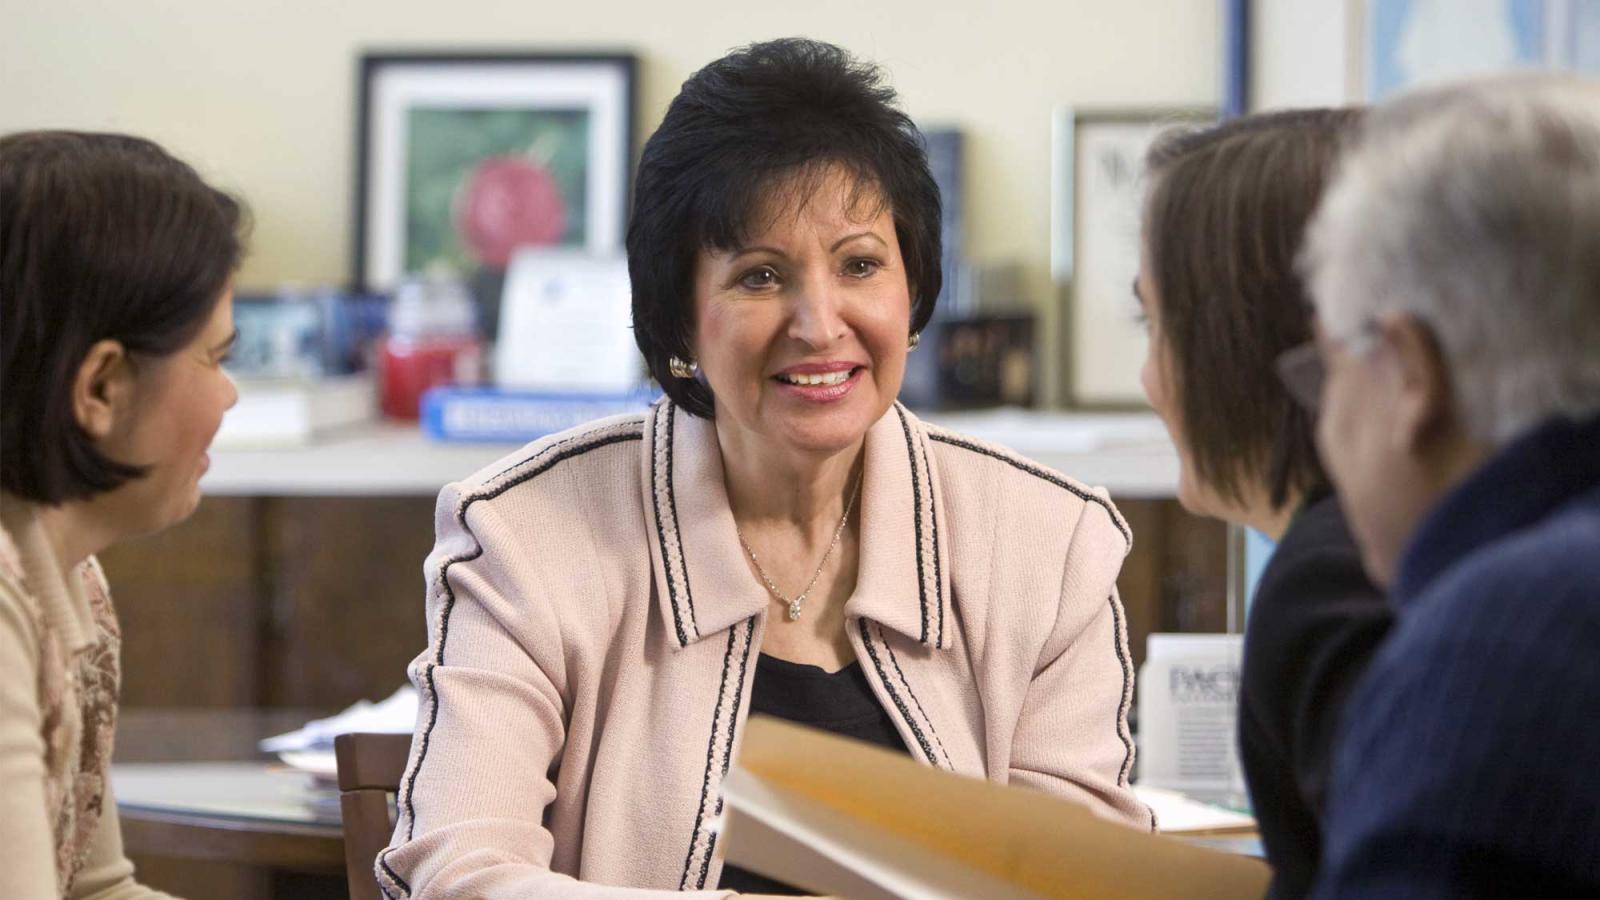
(835, 816)
(277, 412)
(503, 415)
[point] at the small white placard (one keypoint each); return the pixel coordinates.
(1188, 716)
(566, 324)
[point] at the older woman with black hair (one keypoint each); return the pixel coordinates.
(778, 535)
(1226, 209)
(116, 310)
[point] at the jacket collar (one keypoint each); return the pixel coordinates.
(1529, 479)
(703, 580)
(63, 599)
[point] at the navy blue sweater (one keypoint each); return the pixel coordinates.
(1469, 764)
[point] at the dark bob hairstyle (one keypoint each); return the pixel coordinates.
(102, 237)
(1224, 218)
(741, 131)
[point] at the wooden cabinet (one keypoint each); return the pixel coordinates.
(267, 598)
(318, 601)
(274, 602)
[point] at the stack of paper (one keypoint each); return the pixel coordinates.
(279, 412)
(310, 748)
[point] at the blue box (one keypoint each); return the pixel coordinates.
(494, 415)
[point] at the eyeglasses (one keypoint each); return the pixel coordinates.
(1303, 372)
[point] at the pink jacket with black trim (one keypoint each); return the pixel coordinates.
(593, 629)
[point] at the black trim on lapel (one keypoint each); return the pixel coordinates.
(916, 503)
(938, 562)
(899, 702)
(717, 719)
(727, 749)
(930, 593)
(661, 482)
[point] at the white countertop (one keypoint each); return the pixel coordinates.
(1127, 453)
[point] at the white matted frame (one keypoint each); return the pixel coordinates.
(392, 85)
(1099, 158)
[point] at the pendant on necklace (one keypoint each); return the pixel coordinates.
(794, 610)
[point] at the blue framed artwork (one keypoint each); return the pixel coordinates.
(1583, 36)
(1417, 42)
(1235, 16)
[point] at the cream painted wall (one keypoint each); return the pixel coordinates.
(259, 94)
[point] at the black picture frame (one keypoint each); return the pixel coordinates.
(506, 81)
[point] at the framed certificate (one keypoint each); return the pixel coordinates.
(1100, 161)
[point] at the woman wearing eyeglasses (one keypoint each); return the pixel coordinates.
(1226, 313)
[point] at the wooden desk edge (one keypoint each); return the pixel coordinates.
(305, 848)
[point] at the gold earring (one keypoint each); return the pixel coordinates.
(916, 338)
(681, 369)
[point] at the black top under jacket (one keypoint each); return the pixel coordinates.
(1314, 624)
(841, 702)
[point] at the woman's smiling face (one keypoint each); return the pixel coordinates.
(801, 331)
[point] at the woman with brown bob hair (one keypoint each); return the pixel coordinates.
(116, 311)
(1226, 311)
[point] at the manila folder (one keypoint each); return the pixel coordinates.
(841, 817)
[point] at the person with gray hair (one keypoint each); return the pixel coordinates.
(1455, 270)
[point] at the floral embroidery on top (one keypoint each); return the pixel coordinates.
(77, 694)
(99, 675)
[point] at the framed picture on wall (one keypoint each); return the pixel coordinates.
(462, 160)
(1100, 189)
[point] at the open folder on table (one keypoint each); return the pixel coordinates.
(836, 816)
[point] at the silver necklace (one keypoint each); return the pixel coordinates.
(794, 604)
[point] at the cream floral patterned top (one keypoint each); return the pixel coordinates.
(59, 649)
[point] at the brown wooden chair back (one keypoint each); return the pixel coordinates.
(370, 768)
